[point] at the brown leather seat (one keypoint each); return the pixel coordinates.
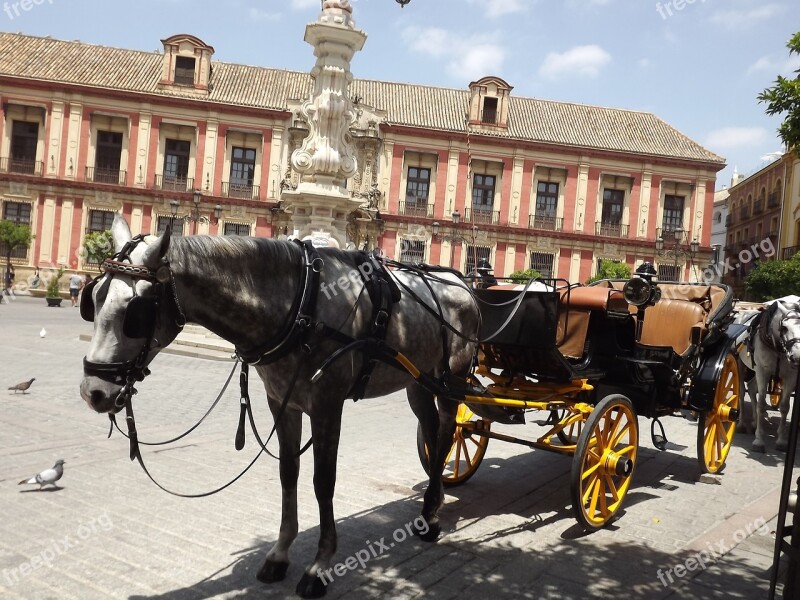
(594, 298)
(670, 323)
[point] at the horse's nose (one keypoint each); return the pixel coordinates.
(98, 398)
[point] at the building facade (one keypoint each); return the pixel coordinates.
(790, 222)
(86, 131)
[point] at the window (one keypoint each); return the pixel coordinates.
(184, 70)
(542, 262)
(412, 251)
(717, 217)
(474, 254)
(100, 220)
(177, 226)
(107, 158)
(24, 139)
(237, 229)
(546, 206)
(483, 197)
(417, 188)
(611, 217)
(668, 273)
(243, 168)
(673, 214)
(176, 162)
(20, 214)
(489, 111)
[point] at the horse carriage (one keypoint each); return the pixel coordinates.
(593, 358)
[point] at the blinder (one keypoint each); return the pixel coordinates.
(87, 302)
(140, 317)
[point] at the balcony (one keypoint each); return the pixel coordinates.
(758, 207)
(617, 230)
(100, 175)
(772, 200)
(245, 191)
(23, 166)
(173, 183)
(744, 212)
(668, 233)
(416, 209)
(489, 117)
(478, 215)
(728, 220)
(790, 252)
(545, 222)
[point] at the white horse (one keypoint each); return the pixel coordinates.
(773, 353)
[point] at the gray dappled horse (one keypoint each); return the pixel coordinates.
(242, 289)
(772, 352)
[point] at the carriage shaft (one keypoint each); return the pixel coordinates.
(538, 444)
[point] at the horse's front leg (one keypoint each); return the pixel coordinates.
(789, 382)
(438, 428)
(289, 429)
(326, 425)
(760, 408)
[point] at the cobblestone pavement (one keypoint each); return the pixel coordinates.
(509, 532)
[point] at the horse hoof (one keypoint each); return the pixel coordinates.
(272, 571)
(782, 446)
(430, 533)
(310, 586)
(758, 446)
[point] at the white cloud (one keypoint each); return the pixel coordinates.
(467, 57)
(582, 61)
(736, 137)
(498, 8)
(302, 4)
(774, 66)
(258, 14)
(742, 19)
(643, 63)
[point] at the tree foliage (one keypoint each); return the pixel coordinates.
(13, 235)
(524, 276)
(774, 279)
(53, 283)
(610, 269)
(783, 98)
(97, 247)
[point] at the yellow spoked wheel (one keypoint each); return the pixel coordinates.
(467, 451)
(716, 427)
(604, 462)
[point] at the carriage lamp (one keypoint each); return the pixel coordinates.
(637, 291)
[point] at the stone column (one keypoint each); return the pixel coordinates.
(321, 203)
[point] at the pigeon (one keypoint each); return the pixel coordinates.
(42, 333)
(21, 387)
(48, 476)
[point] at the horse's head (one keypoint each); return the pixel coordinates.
(135, 315)
(789, 330)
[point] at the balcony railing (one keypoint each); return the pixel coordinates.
(174, 184)
(416, 209)
(489, 117)
(772, 200)
(728, 220)
(100, 175)
(23, 166)
(477, 215)
(545, 222)
(758, 207)
(668, 233)
(744, 212)
(790, 252)
(611, 229)
(232, 189)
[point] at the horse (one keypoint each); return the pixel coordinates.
(772, 352)
(246, 290)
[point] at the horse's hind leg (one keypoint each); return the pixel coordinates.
(288, 428)
(438, 428)
(326, 425)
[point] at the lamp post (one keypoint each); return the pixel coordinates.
(677, 250)
(194, 215)
(456, 236)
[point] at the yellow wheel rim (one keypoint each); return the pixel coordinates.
(607, 464)
(467, 451)
(719, 423)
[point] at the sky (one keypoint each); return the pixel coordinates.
(697, 64)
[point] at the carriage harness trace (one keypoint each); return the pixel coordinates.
(140, 322)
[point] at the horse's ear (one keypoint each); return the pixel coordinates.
(120, 232)
(156, 251)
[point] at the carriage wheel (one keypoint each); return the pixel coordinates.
(604, 461)
(467, 451)
(716, 428)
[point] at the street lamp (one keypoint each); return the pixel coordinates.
(194, 215)
(677, 251)
(456, 236)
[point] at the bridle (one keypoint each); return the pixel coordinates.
(777, 342)
(141, 316)
(786, 345)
